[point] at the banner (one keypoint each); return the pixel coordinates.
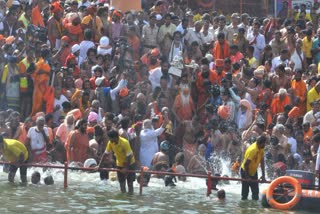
(126, 5)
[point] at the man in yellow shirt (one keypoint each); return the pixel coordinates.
(121, 149)
(16, 153)
(313, 95)
(254, 156)
(307, 46)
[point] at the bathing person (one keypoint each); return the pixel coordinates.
(253, 156)
(35, 177)
(120, 147)
(14, 152)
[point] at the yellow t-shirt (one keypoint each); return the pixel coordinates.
(306, 47)
(254, 154)
(312, 95)
(13, 149)
(121, 150)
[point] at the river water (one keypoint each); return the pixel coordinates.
(87, 194)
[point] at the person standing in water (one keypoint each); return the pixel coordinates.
(253, 156)
(121, 149)
(16, 153)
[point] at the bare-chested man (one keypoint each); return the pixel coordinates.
(198, 163)
(192, 127)
(55, 26)
(162, 156)
(280, 79)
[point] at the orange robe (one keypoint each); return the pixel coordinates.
(79, 150)
(300, 90)
(41, 78)
(184, 112)
(278, 105)
(219, 52)
(36, 17)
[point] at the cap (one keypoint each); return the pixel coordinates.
(104, 42)
(99, 80)
(90, 163)
(219, 63)
(75, 48)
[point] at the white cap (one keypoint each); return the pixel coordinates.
(104, 42)
(16, 3)
(75, 48)
(90, 163)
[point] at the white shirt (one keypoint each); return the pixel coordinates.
(37, 142)
(149, 145)
(259, 45)
(58, 102)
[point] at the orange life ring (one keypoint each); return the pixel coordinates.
(290, 204)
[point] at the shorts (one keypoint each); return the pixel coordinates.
(130, 177)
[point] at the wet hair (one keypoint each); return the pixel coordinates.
(35, 177)
(221, 194)
(80, 123)
(261, 139)
(88, 34)
(49, 180)
(221, 35)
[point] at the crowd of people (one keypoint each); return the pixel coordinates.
(167, 87)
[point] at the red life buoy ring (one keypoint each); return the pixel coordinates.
(282, 180)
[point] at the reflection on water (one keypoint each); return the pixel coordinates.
(87, 194)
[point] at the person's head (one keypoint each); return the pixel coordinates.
(164, 146)
(49, 180)
(221, 194)
(35, 177)
(113, 136)
(147, 124)
(82, 125)
(167, 19)
(202, 149)
(179, 158)
(221, 37)
(256, 27)
(274, 141)
(40, 122)
(261, 141)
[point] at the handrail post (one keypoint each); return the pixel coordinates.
(65, 183)
(209, 184)
(141, 179)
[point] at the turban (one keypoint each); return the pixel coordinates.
(294, 113)
(92, 117)
(224, 112)
(56, 7)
